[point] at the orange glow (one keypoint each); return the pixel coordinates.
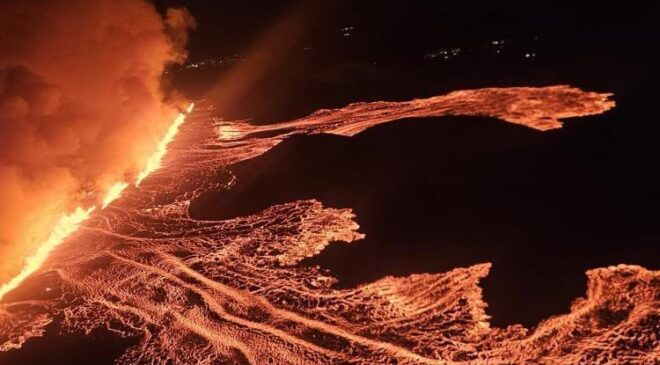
(228, 132)
(64, 227)
(69, 223)
(236, 287)
(114, 193)
(83, 105)
(155, 160)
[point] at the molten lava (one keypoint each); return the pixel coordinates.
(63, 229)
(81, 105)
(68, 224)
(114, 193)
(154, 162)
(209, 292)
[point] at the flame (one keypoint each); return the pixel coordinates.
(69, 223)
(155, 160)
(114, 193)
(63, 228)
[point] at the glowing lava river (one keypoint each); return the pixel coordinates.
(219, 292)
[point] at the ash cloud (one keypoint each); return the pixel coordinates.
(81, 106)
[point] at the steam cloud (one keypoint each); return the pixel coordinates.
(81, 106)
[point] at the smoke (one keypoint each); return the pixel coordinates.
(81, 106)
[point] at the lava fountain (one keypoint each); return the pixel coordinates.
(63, 228)
(68, 224)
(155, 160)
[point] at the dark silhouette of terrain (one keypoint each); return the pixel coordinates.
(100, 347)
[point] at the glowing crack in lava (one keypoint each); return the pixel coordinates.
(114, 193)
(68, 224)
(209, 292)
(63, 228)
(155, 161)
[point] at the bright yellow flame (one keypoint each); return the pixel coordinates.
(113, 193)
(155, 160)
(65, 226)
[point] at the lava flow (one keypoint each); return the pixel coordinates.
(114, 193)
(68, 224)
(62, 229)
(209, 292)
(155, 160)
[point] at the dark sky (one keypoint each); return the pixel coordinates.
(398, 29)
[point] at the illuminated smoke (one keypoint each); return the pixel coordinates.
(70, 223)
(81, 111)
